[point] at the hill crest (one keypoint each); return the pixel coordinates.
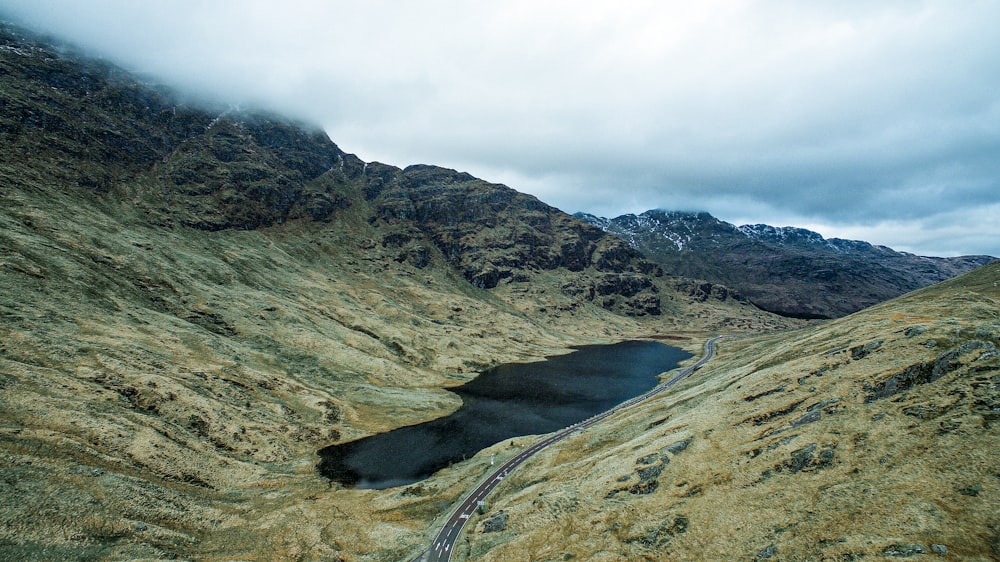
(787, 270)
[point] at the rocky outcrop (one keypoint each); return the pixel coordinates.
(926, 372)
(701, 291)
(210, 168)
(631, 294)
(247, 171)
(493, 234)
(496, 522)
(660, 536)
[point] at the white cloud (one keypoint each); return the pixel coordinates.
(942, 234)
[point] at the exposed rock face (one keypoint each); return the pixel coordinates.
(246, 171)
(493, 234)
(789, 271)
(703, 290)
(904, 550)
(926, 372)
(496, 522)
(631, 294)
(807, 459)
(220, 169)
(659, 537)
(211, 169)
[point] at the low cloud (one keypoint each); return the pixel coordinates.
(879, 113)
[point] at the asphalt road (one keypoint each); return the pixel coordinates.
(445, 540)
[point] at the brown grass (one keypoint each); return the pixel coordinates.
(918, 467)
(181, 382)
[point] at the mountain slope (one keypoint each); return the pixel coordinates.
(871, 436)
(789, 271)
(92, 127)
(194, 300)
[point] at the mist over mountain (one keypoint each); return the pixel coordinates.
(748, 113)
(786, 270)
(196, 299)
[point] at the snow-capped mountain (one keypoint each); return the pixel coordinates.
(788, 270)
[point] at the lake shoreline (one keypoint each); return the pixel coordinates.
(503, 402)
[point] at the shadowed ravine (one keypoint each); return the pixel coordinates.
(503, 402)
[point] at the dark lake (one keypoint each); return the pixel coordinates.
(506, 401)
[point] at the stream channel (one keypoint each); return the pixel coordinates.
(506, 401)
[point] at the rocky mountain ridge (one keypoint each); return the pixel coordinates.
(215, 169)
(195, 299)
(790, 235)
(787, 270)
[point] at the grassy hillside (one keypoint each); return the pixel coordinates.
(180, 381)
(194, 301)
(874, 436)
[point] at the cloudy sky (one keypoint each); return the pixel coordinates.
(872, 119)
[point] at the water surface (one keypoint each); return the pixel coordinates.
(507, 401)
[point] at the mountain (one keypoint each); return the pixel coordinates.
(789, 271)
(873, 436)
(195, 299)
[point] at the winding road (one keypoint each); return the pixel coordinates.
(445, 540)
